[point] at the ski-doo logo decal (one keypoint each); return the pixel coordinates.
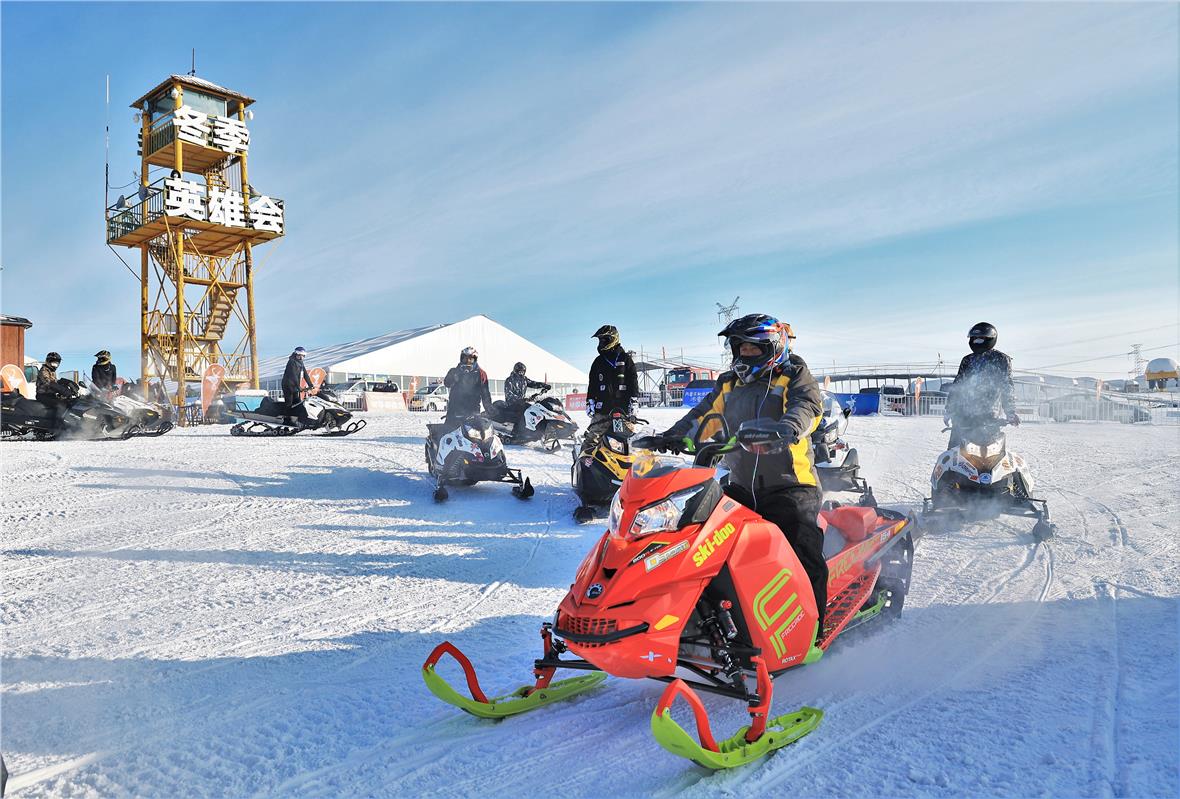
(766, 618)
(661, 558)
(985, 478)
(594, 591)
(705, 550)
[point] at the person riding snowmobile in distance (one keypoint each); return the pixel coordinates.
(516, 386)
(614, 385)
(769, 390)
(293, 376)
(49, 391)
(103, 374)
(984, 380)
(468, 385)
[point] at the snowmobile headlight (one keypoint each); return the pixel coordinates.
(994, 449)
(473, 432)
(662, 516)
(615, 444)
(972, 449)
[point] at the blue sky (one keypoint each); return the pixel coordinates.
(882, 176)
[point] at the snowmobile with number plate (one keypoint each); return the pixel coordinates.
(982, 475)
(543, 420)
(319, 411)
(690, 587)
(466, 452)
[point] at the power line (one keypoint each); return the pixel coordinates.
(1103, 357)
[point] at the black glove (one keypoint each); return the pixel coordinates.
(1013, 419)
(766, 435)
(546, 387)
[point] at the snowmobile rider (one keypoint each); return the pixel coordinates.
(468, 384)
(293, 377)
(769, 390)
(614, 385)
(984, 380)
(516, 385)
(103, 374)
(49, 391)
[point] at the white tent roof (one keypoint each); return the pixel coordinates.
(430, 351)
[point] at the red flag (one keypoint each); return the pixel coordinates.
(209, 385)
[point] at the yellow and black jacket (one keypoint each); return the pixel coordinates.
(789, 395)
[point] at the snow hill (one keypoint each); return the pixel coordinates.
(197, 615)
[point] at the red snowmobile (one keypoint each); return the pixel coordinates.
(690, 587)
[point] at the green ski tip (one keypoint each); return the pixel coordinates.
(519, 701)
(735, 751)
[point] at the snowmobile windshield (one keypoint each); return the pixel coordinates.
(648, 465)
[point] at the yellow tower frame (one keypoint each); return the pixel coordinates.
(195, 236)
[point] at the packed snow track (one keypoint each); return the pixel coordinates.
(201, 615)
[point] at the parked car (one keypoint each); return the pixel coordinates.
(432, 398)
(1083, 405)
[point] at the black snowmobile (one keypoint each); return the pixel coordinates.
(544, 419)
(467, 452)
(85, 415)
(319, 411)
(597, 476)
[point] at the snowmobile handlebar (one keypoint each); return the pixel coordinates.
(704, 454)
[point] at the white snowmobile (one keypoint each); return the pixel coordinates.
(544, 420)
(981, 474)
(466, 452)
(319, 411)
(150, 419)
(837, 463)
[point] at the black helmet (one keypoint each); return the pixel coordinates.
(765, 332)
(608, 337)
(518, 367)
(982, 337)
(53, 358)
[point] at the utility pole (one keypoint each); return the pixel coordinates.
(725, 314)
(1137, 362)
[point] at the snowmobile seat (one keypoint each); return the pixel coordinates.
(270, 407)
(853, 522)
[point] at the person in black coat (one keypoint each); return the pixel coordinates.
(293, 377)
(103, 374)
(982, 385)
(468, 385)
(614, 385)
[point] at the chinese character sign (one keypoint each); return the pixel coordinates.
(191, 126)
(222, 133)
(266, 214)
(227, 207)
(184, 198)
(230, 135)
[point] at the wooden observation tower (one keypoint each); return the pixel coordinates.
(195, 226)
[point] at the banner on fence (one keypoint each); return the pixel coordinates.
(575, 402)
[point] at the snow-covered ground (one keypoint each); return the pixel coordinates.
(197, 615)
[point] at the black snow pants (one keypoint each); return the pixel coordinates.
(292, 399)
(795, 510)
